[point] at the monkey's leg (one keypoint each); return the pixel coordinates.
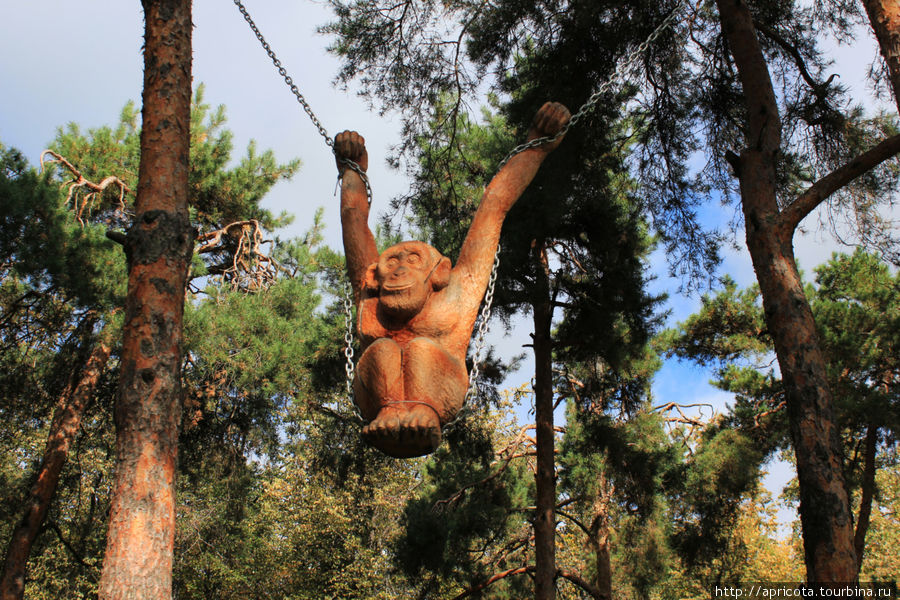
(379, 394)
(435, 385)
(378, 378)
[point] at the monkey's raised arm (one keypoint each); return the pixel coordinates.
(359, 243)
(477, 254)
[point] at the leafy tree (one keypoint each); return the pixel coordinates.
(59, 289)
(278, 496)
(557, 241)
(614, 476)
(884, 527)
(63, 284)
(752, 550)
(745, 84)
(467, 521)
(854, 303)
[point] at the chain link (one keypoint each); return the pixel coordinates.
(362, 175)
(349, 366)
(296, 91)
(628, 66)
(483, 317)
(283, 72)
(618, 75)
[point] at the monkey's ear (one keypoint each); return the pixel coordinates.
(370, 283)
(441, 276)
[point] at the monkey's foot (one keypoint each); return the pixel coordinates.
(404, 429)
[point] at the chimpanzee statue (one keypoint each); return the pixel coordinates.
(416, 311)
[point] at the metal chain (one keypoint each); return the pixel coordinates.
(283, 72)
(349, 366)
(627, 67)
(618, 75)
(296, 91)
(483, 317)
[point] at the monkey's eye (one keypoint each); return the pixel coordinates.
(392, 262)
(413, 259)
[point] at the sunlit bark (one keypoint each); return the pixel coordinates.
(141, 536)
(824, 504)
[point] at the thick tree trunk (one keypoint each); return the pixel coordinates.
(824, 504)
(141, 535)
(63, 429)
(545, 478)
(884, 15)
(599, 537)
(866, 496)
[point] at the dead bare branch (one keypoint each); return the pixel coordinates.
(80, 202)
(251, 268)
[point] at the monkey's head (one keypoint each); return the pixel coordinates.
(405, 276)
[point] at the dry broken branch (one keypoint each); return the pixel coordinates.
(251, 268)
(778, 407)
(681, 418)
(79, 184)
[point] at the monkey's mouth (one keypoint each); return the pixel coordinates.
(396, 288)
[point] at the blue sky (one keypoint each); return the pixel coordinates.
(63, 61)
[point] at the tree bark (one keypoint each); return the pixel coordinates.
(141, 535)
(884, 16)
(824, 504)
(63, 430)
(866, 496)
(545, 477)
(599, 537)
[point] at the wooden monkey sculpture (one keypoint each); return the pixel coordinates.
(416, 311)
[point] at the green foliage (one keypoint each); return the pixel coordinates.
(249, 355)
(618, 471)
(881, 562)
(857, 308)
(220, 193)
(855, 304)
(62, 281)
(59, 283)
(67, 558)
(466, 520)
(723, 468)
(43, 247)
(559, 50)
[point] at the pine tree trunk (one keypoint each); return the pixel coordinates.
(63, 430)
(545, 478)
(866, 496)
(599, 537)
(824, 504)
(884, 16)
(141, 535)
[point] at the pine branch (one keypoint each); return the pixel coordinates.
(819, 191)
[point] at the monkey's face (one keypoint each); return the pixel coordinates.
(404, 276)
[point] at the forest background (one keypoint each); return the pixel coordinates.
(86, 79)
(83, 65)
